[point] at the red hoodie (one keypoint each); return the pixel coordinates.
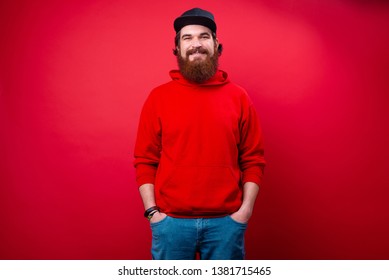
(198, 144)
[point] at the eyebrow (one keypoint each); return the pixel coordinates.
(201, 34)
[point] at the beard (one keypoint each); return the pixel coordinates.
(198, 70)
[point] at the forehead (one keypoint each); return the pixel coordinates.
(195, 29)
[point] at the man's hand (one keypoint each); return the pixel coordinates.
(250, 191)
(157, 217)
(241, 216)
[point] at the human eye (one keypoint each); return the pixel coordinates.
(205, 36)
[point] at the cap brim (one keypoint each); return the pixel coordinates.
(180, 22)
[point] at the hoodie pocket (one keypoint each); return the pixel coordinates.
(201, 190)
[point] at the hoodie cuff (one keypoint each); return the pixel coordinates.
(253, 174)
(145, 174)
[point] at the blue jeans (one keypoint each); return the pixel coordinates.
(213, 238)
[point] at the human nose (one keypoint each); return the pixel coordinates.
(196, 43)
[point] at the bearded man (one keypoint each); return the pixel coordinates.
(199, 152)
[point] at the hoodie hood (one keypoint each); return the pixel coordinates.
(220, 78)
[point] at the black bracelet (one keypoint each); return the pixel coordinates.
(152, 214)
(151, 209)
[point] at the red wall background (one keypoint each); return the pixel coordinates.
(74, 75)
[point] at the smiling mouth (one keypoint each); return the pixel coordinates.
(197, 53)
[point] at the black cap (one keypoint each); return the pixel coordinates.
(195, 16)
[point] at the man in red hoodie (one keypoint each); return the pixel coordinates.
(199, 152)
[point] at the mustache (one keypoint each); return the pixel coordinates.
(195, 50)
